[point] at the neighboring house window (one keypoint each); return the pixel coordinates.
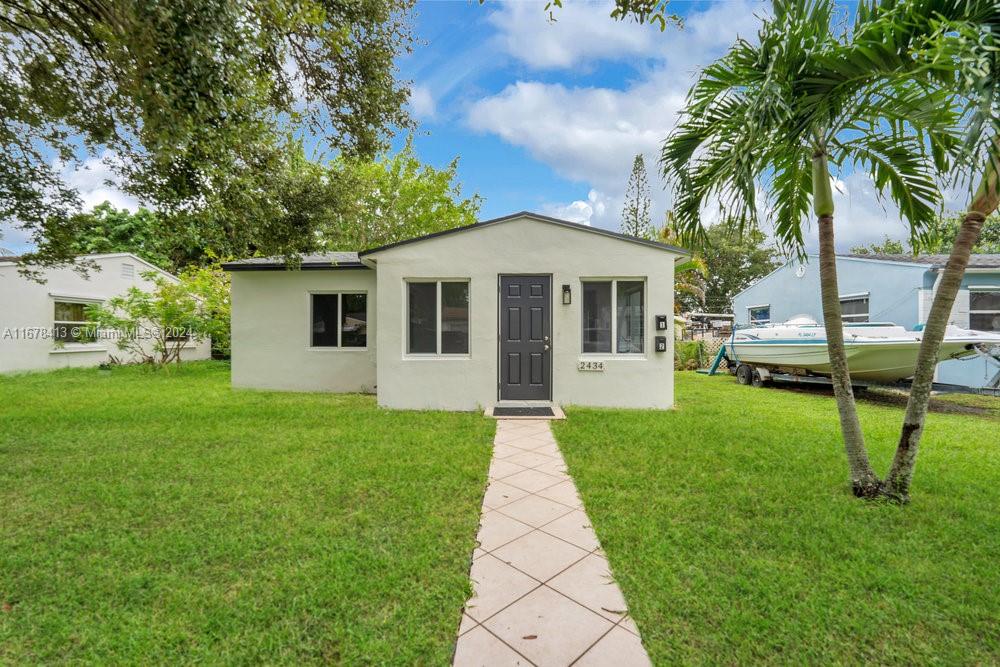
(70, 322)
(759, 315)
(984, 310)
(854, 308)
(613, 310)
(340, 320)
(437, 317)
(128, 271)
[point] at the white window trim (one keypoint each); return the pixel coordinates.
(758, 307)
(860, 296)
(614, 317)
(982, 289)
(340, 331)
(438, 355)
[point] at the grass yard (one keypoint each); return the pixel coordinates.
(160, 517)
(731, 529)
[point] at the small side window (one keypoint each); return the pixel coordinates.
(854, 309)
(759, 315)
(984, 310)
(339, 320)
(70, 322)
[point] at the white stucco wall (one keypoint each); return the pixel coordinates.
(271, 332)
(26, 305)
(522, 247)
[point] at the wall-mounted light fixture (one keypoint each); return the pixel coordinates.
(567, 295)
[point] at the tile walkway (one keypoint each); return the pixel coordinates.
(543, 592)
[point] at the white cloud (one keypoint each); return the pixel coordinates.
(422, 102)
(591, 134)
(582, 32)
(96, 181)
(586, 211)
(861, 218)
(586, 134)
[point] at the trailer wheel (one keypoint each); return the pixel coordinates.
(744, 374)
(756, 380)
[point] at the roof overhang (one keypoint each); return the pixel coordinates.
(304, 266)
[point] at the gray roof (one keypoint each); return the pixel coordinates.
(937, 261)
(313, 261)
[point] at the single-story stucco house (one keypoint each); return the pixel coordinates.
(41, 322)
(524, 309)
(886, 288)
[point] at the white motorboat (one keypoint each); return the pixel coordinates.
(879, 352)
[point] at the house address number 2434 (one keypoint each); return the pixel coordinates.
(584, 365)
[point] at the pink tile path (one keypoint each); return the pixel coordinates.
(543, 592)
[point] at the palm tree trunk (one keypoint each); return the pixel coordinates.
(897, 483)
(864, 481)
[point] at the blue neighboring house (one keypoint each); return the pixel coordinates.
(885, 288)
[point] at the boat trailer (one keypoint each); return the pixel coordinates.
(760, 376)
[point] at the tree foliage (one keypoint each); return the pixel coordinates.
(390, 199)
(940, 239)
(190, 101)
(350, 203)
(732, 264)
(105, 229)
(945, 230)
(636, 214)
(888, 246)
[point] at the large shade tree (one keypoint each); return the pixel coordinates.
(189, 101)
(764, 124)
(349, 203)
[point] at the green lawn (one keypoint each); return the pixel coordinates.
(731, 529)
(163, 517)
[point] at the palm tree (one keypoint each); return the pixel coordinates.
(964, 53)
(689, 276)
(767, 120)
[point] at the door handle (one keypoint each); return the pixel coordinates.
(545, 338)
(546, 348)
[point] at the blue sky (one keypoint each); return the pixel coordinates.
(548, 116)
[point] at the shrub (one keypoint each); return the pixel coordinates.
(689, 354)
(153, 327)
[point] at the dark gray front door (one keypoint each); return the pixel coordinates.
(525, 337)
